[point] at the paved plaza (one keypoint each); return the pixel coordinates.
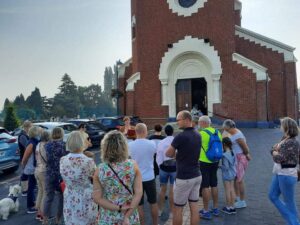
(259, 211)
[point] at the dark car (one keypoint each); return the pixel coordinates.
(94, 129)
(111, 123)
(3, 130)
(9, 153)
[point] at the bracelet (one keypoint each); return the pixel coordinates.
(120, 208)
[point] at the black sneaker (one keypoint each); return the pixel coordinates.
(233, 210)
(226, 210)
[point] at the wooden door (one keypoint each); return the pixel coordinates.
(183, 95)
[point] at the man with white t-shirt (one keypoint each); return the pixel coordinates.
(142, 151)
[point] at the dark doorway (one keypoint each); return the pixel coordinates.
(199, 94)
(191, 92)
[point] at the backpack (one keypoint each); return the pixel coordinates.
(215, 149)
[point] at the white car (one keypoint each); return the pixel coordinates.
(49, 126)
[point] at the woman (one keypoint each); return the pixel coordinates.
(40, 173)
(117, 182)
(127, 129)
(286, 157)
(29, 164)
(241, 152)
(77, 170)
(55, 149)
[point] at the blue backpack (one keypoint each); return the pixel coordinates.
(215, 149)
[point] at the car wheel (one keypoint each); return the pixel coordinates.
(11, 170)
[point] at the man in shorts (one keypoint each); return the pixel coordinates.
(142, 151)
(209, 170)
(188, 178)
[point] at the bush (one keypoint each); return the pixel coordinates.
(11, 120)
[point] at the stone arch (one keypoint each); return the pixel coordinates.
(190, 58)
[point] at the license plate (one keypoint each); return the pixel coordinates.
(2, 153)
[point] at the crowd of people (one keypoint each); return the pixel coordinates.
(186, 164)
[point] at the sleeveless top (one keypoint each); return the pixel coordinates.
(115, 192)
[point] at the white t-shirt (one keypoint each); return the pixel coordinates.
(142, 151)
(236, 148)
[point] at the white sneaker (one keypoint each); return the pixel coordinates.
(160, 212)
(240, 204)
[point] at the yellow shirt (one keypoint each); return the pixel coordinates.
(205, 140)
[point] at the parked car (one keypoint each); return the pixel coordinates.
(16, 132)
(3, 130)
(9, 153)
(111, 123)
(67, 127)
(94, 129)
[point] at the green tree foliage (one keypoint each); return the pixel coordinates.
(11, 120)
(35, 102)
(20, 101)
(66, 102)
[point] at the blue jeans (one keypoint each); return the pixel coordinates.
(285, 185)
(164, 177)
(30, 191)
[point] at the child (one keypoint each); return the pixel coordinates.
(228, 174)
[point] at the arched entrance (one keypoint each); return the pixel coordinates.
(198, 62)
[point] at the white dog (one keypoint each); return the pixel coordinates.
(10, 203)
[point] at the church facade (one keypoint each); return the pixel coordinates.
(189, 53)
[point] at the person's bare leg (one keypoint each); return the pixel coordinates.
(232, 193)
(162, 194)
(206, 197)
(227, 193)
(194, 208)
(236, 188)
(154, 213)
(177, 217)
(214, 192)
(241, 190)
(141, 214)
(171, 198)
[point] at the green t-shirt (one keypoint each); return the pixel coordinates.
(205, 140)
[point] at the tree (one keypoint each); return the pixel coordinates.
(66, 102)
(35, 102)
(11, 120)
(20, 101)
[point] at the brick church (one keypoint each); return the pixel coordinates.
(189, 53)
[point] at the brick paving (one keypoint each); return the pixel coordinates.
(259, 211)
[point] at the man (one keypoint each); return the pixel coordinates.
(156, 137)
(142, 151)
(167, 170)
(22, 143)
(208, 171)
(195, 121)
(188, 179)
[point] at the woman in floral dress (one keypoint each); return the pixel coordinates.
(77, 170)
(117, 183)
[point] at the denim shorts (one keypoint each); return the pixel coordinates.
(164, 177)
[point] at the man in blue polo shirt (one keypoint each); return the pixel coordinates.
(188, 177)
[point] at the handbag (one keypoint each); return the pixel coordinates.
(124, 185)
(62, 186)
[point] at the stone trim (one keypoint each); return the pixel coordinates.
(132, 80)
(259, 70)
(267, 42)
(237, 5)
(185, 12)
(122, 67)
(187, 59)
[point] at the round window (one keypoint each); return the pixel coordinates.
(186, 3)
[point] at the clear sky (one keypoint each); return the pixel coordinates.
(42, 40)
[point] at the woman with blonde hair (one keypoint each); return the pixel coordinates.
(77, 170)
(55, 149)
(29, 164)
(286, 158)
(40, 173)
(117, 182)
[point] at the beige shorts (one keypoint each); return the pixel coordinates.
(186, 190)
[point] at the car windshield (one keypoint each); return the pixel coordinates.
(94, 126)
(68, 128)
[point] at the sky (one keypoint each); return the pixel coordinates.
(41, 40)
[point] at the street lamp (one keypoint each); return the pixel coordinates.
(118, 63)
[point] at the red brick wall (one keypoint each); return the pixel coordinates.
(291, 90)
(242, 97)
(274, 61)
